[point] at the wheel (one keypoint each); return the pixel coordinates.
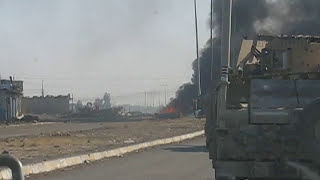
(222, 176)
(225, 178)
(210, 127)
(310, 128)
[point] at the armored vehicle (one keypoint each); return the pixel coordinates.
(263, 117)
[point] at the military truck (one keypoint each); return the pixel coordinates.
(263, 117)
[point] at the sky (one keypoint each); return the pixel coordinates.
(87, 48)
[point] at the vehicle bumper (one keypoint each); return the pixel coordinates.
(251, 169)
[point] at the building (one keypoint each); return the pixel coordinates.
(10, 99)
(46, 105)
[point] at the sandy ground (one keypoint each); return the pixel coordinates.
(45, 127)
(55, 140)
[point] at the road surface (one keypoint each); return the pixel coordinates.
(184, 161)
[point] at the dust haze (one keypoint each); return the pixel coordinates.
(91, 47)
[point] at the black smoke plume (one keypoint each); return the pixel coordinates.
(250, 17)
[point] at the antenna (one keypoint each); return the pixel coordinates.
(197, 46)
(211, 39)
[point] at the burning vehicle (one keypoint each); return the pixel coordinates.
(169, 113)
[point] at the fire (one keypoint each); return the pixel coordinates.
(170, 113)
(168, 110)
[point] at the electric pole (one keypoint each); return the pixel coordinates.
(197, 46)
(165, 93)
(165, 98)
(72, 102)
(211, 39)
(159, 101)
(152, 93)
(145, 99)
(42, 90)
(225, 57)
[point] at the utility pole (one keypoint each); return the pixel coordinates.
(145, 99)
(152, 93)
(159, 101)
(72, 102)
(148, 101)
(197, 46)
(165, 97)
(165, 93)
(225, 58)
(211, 39)
(42, 90)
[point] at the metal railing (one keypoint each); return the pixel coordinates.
(14, 164)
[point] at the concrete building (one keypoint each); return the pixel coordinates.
(10, 99)
(46, 105)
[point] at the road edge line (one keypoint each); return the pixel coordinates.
(52, 165)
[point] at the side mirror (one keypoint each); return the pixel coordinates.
(14, 164)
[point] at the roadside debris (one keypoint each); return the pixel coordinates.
(30, 118)
(5, 152)
(60, 134)
(129, 141)
(86, 162)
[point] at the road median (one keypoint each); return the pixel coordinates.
(47, 166)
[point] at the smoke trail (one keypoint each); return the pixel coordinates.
(269, 17)
(272, 17)
(290, 17)
(252, 17)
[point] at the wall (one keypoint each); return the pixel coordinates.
(46, 105)
(10, 105)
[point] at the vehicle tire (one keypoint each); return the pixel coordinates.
(210, 128)
(310, 128)
(225, 178)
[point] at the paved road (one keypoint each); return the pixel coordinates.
(185, 161)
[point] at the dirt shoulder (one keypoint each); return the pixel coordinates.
(45, 127)
(51, 145)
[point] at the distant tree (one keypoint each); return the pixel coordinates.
(118, 110)
(79, 105)
(98, 103)
(106, 101)
(89, 107)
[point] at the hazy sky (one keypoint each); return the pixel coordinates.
(90, 47)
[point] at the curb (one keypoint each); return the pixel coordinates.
(56, 164)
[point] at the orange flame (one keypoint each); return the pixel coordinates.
(168, 110)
